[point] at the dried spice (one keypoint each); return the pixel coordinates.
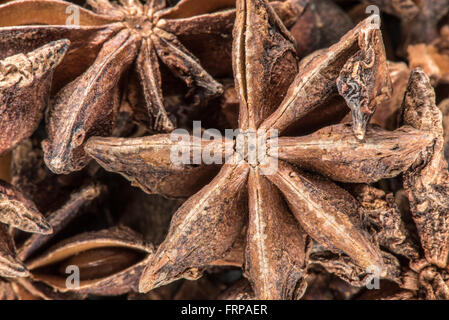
(335, 178)
(25, 82)
(109, 262)
(20, 212)
(427, 180)
(115, 38)
(327, 212)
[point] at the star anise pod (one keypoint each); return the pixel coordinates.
(209, 223)
(25, 82)
(105, 45)
(56, 221)
(426, 184)
(109, 261)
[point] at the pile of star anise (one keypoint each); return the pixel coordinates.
(92, 204)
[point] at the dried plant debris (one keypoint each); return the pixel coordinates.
(426, 182)
(20, 212)
(332, 186)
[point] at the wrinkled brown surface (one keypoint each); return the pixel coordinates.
(147, 163)
(104, 46)
(18, 211)
(253, 33)
(383, 213)
(364, 80)
(87, 106)
(25, 82)
(427, 180)
(134, 68)
(327, 212)
(334, 152)
(10, 266)
(316, 81)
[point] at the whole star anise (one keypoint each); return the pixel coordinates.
(107, 43)
(267, 75)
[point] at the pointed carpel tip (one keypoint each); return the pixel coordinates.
(418, 75)
(153, 276)
(417, 70)
(10, 267)
(146, 282)
(45, 228)
(55, 50)
(62, 45)
(56, 165)
(35, 223)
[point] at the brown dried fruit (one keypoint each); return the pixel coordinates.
(209, 223)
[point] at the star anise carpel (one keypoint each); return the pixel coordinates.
(424, 199)
(298, 196)
(25, 83)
